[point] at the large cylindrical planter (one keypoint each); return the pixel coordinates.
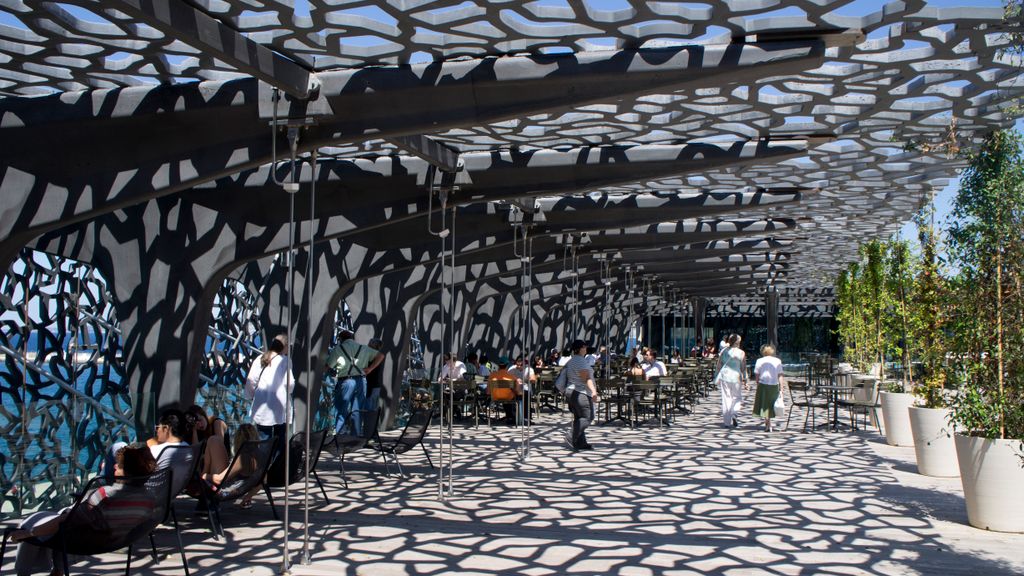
(933, 442)
(992, 474)
(896, 419)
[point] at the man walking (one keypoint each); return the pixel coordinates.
(582, 394)
(353, 362)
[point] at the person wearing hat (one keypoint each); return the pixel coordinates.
(582, 393)
(352, 361)
(505, 394)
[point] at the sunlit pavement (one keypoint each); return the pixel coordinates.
(689, 498)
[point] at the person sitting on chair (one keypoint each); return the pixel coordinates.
(653, 368)
(243, 466)
(121, 505)
(214, 432)
(506, 394)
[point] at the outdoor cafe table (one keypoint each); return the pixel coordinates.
(832, 394)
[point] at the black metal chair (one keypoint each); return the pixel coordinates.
(90, 530)
(276, 477)
(348, 442)
(190, 482)
(801, 394)
(412, 436)
(251, 462)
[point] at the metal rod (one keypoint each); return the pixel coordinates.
(310, 371)
(293, 138)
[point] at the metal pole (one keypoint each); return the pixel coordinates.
(293, 139)
(310, 371)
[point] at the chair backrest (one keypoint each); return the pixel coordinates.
(254, 459)
(797, 388)
(101, 522)
(296, 459)
(501, 390)
(414, 431)
(341, 444)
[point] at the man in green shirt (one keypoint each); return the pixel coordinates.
(352, 361)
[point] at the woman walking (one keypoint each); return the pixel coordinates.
(768, 373)
(269, 385)
(732, 376)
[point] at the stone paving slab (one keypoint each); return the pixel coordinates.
(691, 498)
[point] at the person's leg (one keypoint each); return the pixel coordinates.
(736, 400)
(727, 415)
(577, 418)
(31, 558)
(587, 409)
(344, 392)
(215, 457)
(358, 403)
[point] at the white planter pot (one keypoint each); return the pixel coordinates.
(895, 418)
(933, 442)
(992, 474)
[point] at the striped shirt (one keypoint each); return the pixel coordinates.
(577, 371)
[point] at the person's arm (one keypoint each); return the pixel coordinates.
(290, 382)
(587, 375)
(375, 363)
(250, 383)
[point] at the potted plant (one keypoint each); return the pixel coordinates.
(895, 399)
(929, 419)
(987, 251)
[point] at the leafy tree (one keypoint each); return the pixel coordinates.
(986, 241)
(903, 321)
(930, 291)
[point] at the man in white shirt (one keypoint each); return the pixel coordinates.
(566, 355)
(652, 366)
(524, 373)
(451, 369)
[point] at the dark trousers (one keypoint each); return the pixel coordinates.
(582, 408)
(278, 431)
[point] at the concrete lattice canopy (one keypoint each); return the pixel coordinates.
(852, 90)
(723, 145)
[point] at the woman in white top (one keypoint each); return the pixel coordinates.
(768, 372)
(732, 376)
(269, 385)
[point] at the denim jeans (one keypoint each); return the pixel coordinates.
(349, 395)
(582, 408)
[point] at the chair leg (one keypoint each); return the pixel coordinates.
(152, 542)
(344, 477)
(270, 498)
(3, 546)
(127, 563)
(321, 485)
(425, 453)
(181, 549)
(214, 515)
(788, 416)
(398, 464)
(387, 466)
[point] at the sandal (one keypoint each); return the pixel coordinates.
(245, 504)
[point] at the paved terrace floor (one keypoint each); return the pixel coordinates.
(692, 498)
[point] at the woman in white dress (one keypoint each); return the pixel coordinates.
(731, 377)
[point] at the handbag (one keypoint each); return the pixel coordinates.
(780, 405)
